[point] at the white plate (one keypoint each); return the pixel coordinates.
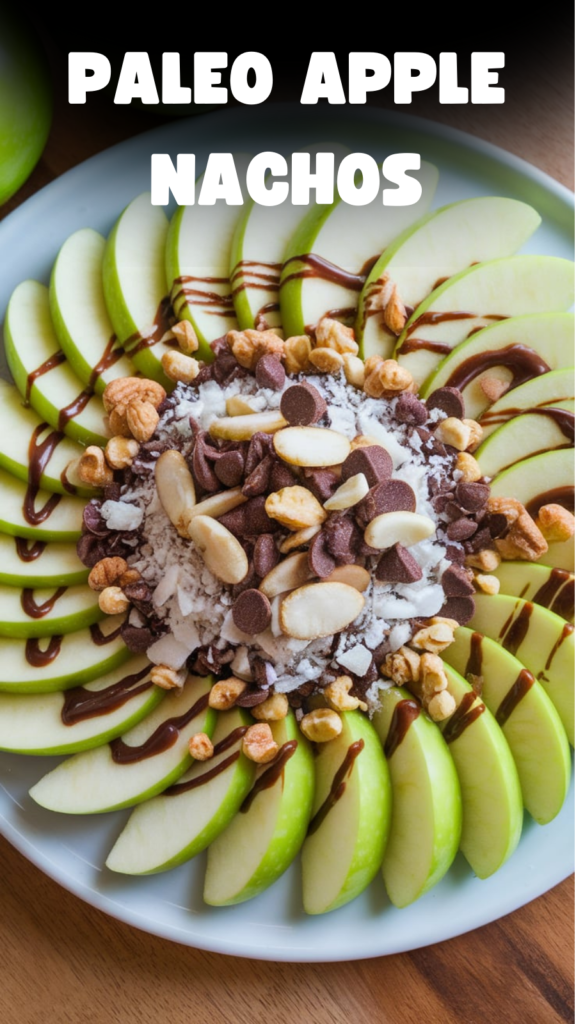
(72, 850)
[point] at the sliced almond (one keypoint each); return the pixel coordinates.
(392, 528)
(298, 539)
(239, 406)
(352, 575)
(221, 552)
(295, 507)
(311, 446)
(348, 494)
(242, 428)
(218, 504)
(292, 572)
(319, 609)
(175, 488)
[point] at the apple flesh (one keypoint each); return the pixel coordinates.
(525, 435)
(508, 287)
(550, 588)
(491, 794)
(533, 729)
(57, 565)
(79, 313)
(263, 839)
(30, 343)
(442, 244)
(64, 523)
(92, 782)
(75, 608)
(173, 827)
(346, 842)
(548, 389)
(426, 804)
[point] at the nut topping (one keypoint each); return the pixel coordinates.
(311, 446)
(222, 552)
(319, 609)
(175, 489)
(392, 528)
(295, 507)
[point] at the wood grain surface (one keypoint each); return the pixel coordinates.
(62, 961)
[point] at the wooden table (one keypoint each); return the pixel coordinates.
(62, 961)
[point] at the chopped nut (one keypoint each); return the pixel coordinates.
(402, 666)
(390, 528)
(179, 367)
(493, 387)
(218, 504)
(487, 584)
(349, 493)
(476, 433)
(295, 507)
(201, 747)
(121, 451)
(176, 489)
(168, 678)
(354, 371)
(436, 637)
(298, 539)
(353, 575)
(394, 313)
(238, 405)
(106, 572)
(272, 709)
(292, 572)
(524, 540)
(333, 334)
(128, 577)
(249, 346)
(142, 419)
(385, 378)
(339, 698)
(259, 745)
(509, 507)
(433, 676)
(297, 354)
(311, 446)
(468, 466)
(92, 468)
(222, 553)
(242, 428)
(441, 706)
(454, 432)
(224, 695)
(319, 609)
(120, 392)
(326, 360)
(364, 441)
(556, 523)
(487, 560)
(113, 601)
(321, 725)
(185, 336)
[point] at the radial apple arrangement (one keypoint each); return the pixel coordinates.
(287, 539)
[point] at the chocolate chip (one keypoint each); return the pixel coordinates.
(398, 566)
(482, 539)
(448, 400)
(472, 497)
(281, 476)
(454, 553)
(461, 529)
(497, 524)
(138, 591)
(263, 672)
(251, 698)
(459, 608)
(343, 538)
(249, 520)
(410, 409)
(320, 560)
(373, 461)
(266, 554)
(456, 582)
(322, 482)
(203, 473)
(251, 612)
(220, 345)
(259, 479)
(91, 550)
(302, 404)
(93, 521)
(112, 491)
(260, 446)
(234, 521)
(270, 373)
(137, 639)
(230, 468)
(390, 496)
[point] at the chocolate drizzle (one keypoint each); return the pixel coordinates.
(405, 712)
(338, 786)
(523, 362)
(212, 773)
(29, 553)
(38, 658)
(164, 737)
(556, 496)
(517, 691)
(557, 593)
(39, 455)
(431, 318)
(463, 717)
(138, 341)
(38, 611)
(212, 302)
(271, 775)
(101, 639)
(318, 267)
(258, 279)
(54, 360)
(566, 632)
(80, 703)
(494, 417)
(513, 633)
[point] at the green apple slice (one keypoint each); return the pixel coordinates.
(198, 261)
(265, 836)
(541, 640)
(426, 804)
(185, 819)
(25, 564)
(37, 724)
(543, 479)
(473, 299)
(550, 588)
(527, 717)
(92, 782)
(79, 312)
(135, 286)
(41, 371)
(21, 431)
(528, 434)
(350, 238)
(549, 335)
(260, 240)
(59, 662)
(350, 818)
(44, 612)
(442, 244)
(548, 389)
(41, 515)
(491, 794)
